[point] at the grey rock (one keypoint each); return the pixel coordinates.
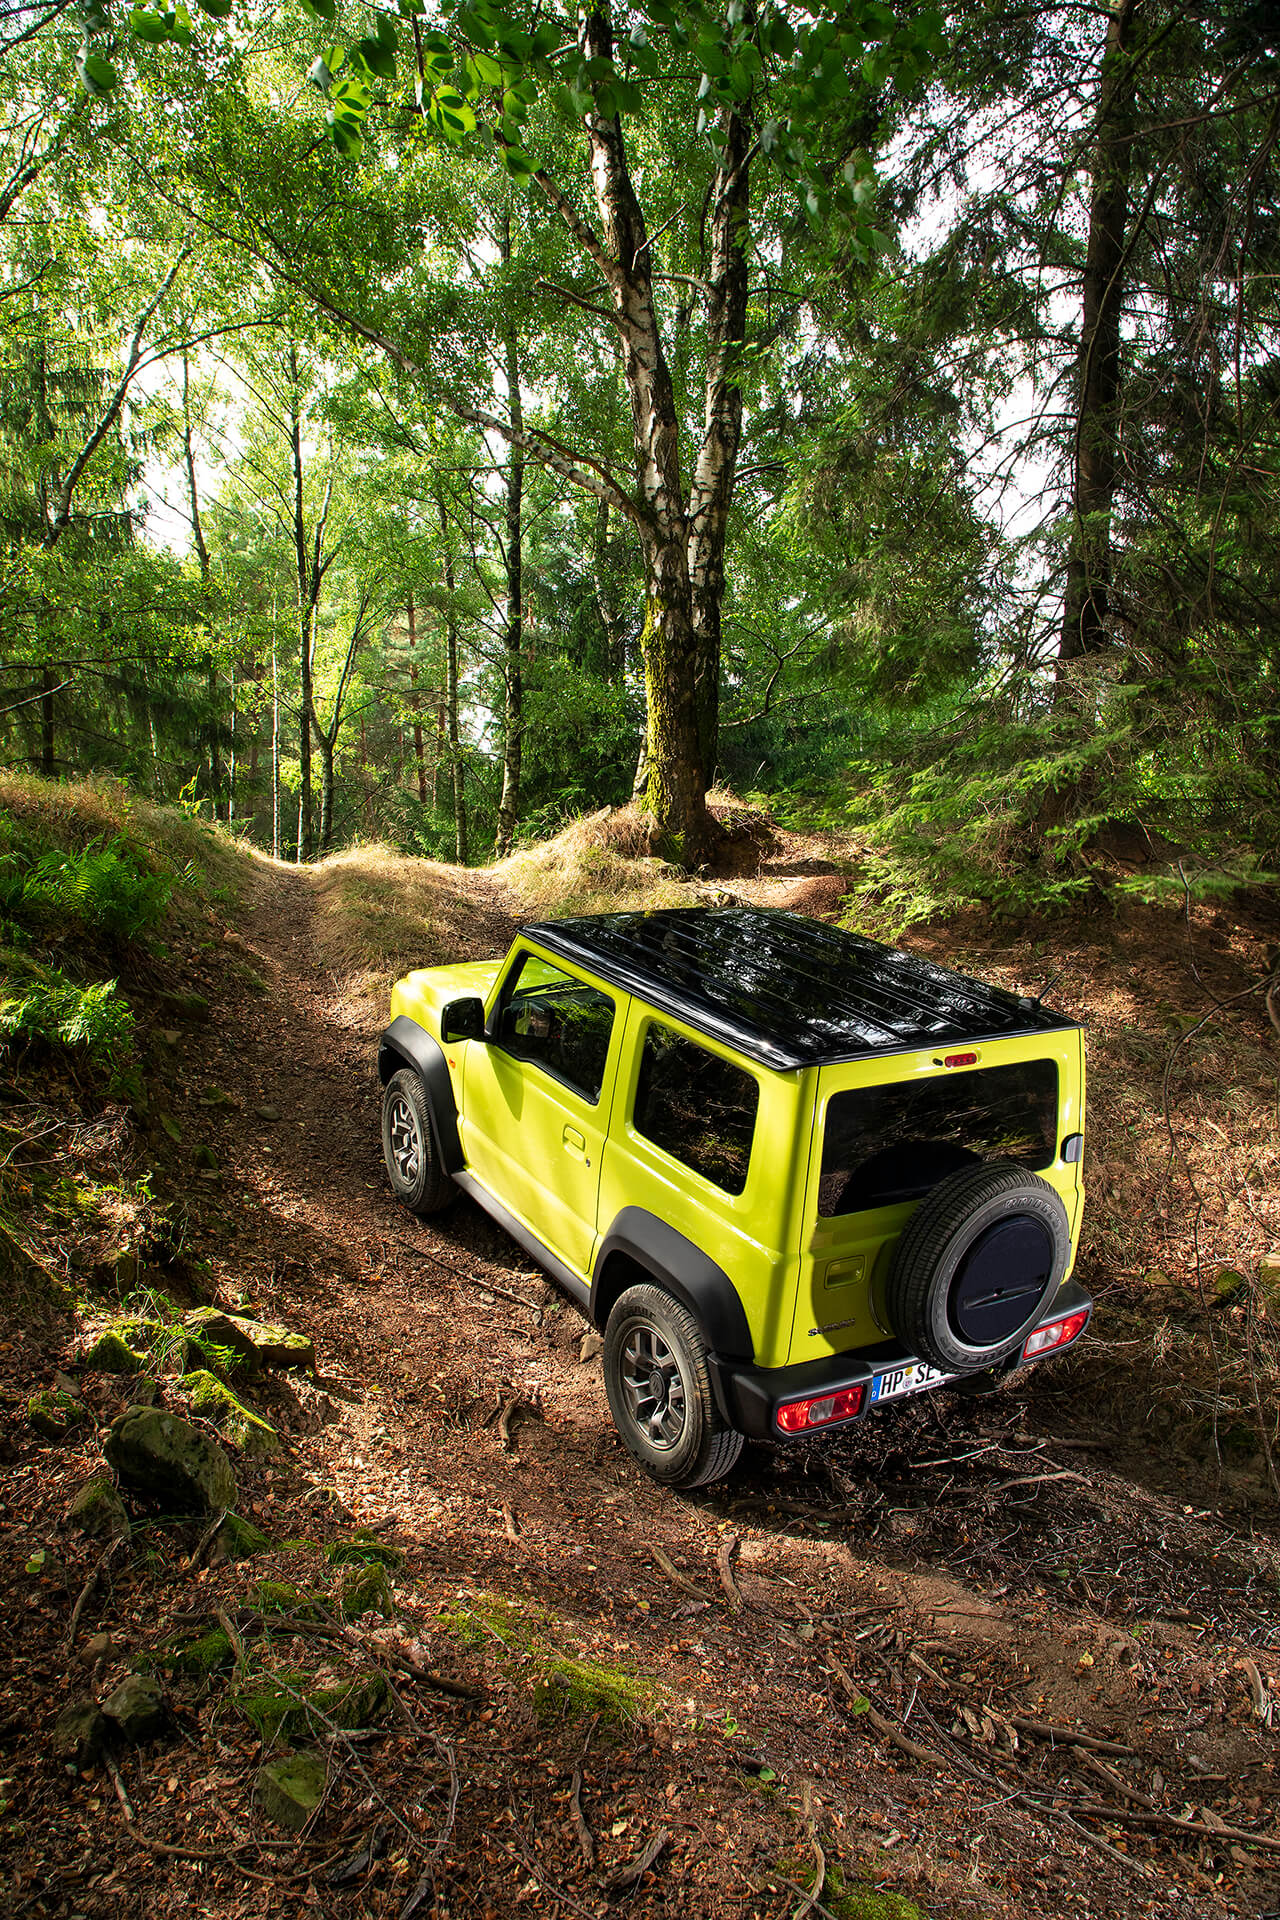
(136, 1708)
(170, 1459)
(79, 1734)
(590, 1346)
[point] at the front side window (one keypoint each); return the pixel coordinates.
(886, 1144)
(697, 1107)
(560, 1023)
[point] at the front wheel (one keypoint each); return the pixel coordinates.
(659, 1388)
(418, 1180)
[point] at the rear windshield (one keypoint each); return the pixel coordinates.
(891, 1143)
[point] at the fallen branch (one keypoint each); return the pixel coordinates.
(1068, 1736)
(673, 1572)
(99, 1569)
(1034, 1479)
(1132, 1817)
(631, 1876)
(724, 1567)
(586, 1839)
(1114, 1780)
(113, 1771)
(812, 1900)
(1104, 1847)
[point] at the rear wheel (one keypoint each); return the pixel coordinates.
(417, 1178)
(659, 1388)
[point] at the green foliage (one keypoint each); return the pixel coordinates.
(92, 1020)
(105, 888)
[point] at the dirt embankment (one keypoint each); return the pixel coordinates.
(998, 1658)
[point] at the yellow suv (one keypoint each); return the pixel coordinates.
(792, 1174)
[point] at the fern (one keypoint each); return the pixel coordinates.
(93, 1020)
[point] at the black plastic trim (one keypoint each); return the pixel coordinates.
(405, 1044)
(750, 1396)
(525, 1237)
(686, 1271)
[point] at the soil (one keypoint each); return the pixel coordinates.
(845, 1659)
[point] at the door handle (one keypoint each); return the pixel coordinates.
(575, 1141)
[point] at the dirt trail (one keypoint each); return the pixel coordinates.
(968, 1565)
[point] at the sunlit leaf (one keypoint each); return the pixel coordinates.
(97, 75)
(216, 9)
(151, 27)
(321, 9)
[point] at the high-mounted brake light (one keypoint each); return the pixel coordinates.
(802, 1416)
(1048, 1339)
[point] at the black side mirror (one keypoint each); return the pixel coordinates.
(463, 1019)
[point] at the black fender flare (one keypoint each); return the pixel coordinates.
(682, 1268)
(405, 1044)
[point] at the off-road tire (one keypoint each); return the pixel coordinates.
(937, 1297)
(684, 1445)
(409, 1148)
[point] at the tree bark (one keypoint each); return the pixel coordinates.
(311, 564)
(1086, 601)
(415, 702)
(512, 634)
(675, 788)
(460, 848)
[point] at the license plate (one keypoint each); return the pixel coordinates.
(900, 1380)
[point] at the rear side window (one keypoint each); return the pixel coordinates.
(560, 1023)
(697, 1107)
(891, 1143)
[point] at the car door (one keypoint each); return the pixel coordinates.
(536, 1096)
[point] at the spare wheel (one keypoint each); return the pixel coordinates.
(978, 1262)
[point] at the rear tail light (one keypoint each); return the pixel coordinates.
(802, 1416)
(1057, 1334)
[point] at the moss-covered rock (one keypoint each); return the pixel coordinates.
(212, 1330)
(171, 1460)
(237, 1539)
(362, 1550)
(367, 1589)
(98, 1511)
(201, 1658)
(111, 1353)
(242, 1429)
(290, 1789)
(280, 1596)
(55, 1414)
(264, 1341)
(137, 1707)
(288, 1705)
(204, 1157)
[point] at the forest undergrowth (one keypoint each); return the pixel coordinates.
(444, 1495)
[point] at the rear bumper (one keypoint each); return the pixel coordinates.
(750, 1396)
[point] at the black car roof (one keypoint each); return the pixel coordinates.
(786, 991)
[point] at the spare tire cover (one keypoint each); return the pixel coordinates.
(978, 1262)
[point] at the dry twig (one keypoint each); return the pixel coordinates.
(100, 1567)
(631, 1876)
(724, 1567)
(863, 1707)
(1068, 1736)
(673, 1573)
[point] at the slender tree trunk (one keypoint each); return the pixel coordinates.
(460, 850)
(275, 741)
(1087, 597)
(202, 556)
(327, 753)
(231, 756)
(611, 623)
(675, 791)
(716, 466)
(415, 701)
(512, 634)
(48, 684)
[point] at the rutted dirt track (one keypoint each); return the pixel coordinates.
(847, 1650)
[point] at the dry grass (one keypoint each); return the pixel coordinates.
(599, 864)
(380, 913)
(71, 814)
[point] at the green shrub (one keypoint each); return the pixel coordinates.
(105, 888)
